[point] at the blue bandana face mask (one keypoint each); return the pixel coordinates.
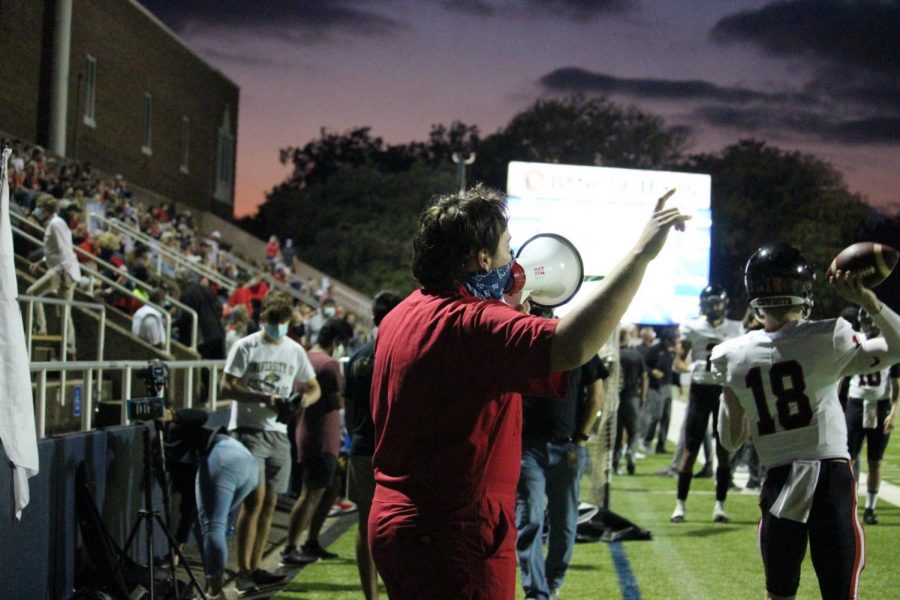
(489, 285)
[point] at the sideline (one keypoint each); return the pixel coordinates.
(627, 583)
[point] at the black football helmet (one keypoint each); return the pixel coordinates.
(713, 302)
(778, 275)
(866, 325)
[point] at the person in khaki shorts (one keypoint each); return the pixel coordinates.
(63, 270)
(358, 416)
(260, 371)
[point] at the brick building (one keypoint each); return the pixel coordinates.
(105, 81)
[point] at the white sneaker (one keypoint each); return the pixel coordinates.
(554, 595)
(678, 513)
(719, 514)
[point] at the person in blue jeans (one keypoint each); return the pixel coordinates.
(226, 474)
(553, 460)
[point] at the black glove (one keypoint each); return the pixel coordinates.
(287, 408)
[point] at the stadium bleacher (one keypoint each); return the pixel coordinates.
(130, 242)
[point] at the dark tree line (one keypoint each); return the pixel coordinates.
(351, 200)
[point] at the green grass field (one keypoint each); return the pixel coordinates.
(698, 559)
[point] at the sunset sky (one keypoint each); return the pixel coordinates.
(820, 76)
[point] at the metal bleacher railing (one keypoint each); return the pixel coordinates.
(255, 271)
(121, 288)
(125, 370)
(159, 250)
(64, 322)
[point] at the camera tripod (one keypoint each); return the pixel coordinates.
(147, 516)
(155, 378)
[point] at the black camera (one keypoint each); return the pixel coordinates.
(287, 408)
(156, 378)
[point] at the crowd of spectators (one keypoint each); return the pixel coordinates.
(141, 275)
(161, 270)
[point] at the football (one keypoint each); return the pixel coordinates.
(873, 260)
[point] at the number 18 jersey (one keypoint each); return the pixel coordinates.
(786, 382)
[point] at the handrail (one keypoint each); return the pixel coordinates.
(255, 271)
(122, 288)
(127, 368)
(101, 308)
(152, 242)
(67, 316)
(129, 276)
(159, 249)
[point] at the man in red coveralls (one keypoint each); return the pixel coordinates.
(451, 361)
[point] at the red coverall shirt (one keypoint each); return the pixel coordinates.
(449, 371)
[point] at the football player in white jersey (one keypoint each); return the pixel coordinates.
(871, 410)
(780, 388)
(699, 336)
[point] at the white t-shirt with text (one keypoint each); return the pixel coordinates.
(267, 368)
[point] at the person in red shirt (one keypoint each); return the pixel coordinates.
(451, 361)
(273, 250)
(318, 437)
(90, 246)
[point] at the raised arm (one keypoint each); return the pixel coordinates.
(877, 352)
(582, 332)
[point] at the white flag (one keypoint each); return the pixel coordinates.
(17, 430)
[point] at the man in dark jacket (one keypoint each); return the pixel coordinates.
(358, 416)
(211, 334)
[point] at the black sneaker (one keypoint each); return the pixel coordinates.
(869, 517)
(244, 583)
(296, 557)
(263, 577)
(316, 549)
(629, 466)
(704, 473)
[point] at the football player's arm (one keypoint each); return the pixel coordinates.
(734, 428)
(876, 352)
(645, 386)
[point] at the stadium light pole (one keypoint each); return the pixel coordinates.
(461, 164)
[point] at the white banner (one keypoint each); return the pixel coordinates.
(17, 429)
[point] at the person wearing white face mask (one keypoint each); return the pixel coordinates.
(262, 369)
(327, 310)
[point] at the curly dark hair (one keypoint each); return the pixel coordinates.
(277, 307)
(452, 230)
